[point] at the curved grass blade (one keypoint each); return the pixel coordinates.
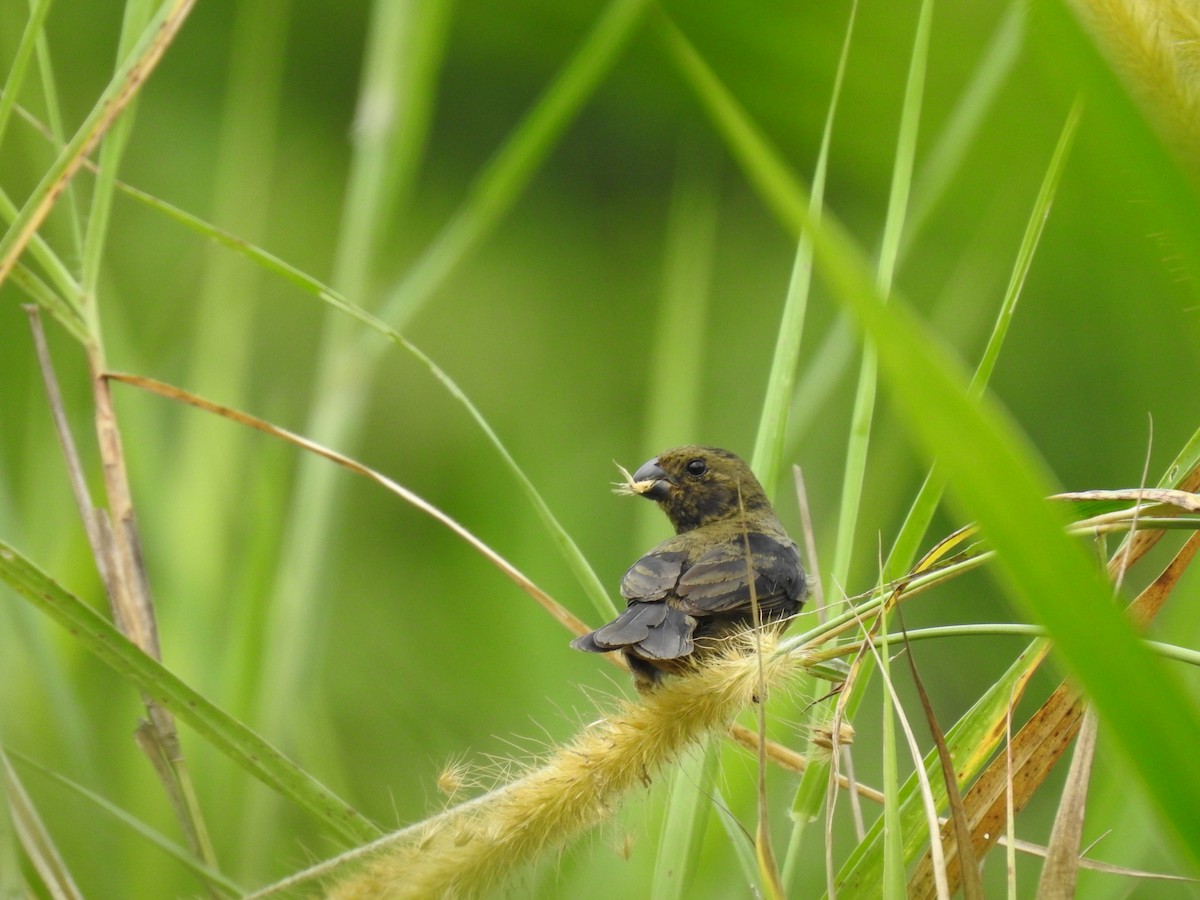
(565, 543)
(209, 875)
(572, 624)
(225, 733)
(39, 845)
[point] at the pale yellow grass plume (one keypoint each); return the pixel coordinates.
(467, 850)
(1155, 45)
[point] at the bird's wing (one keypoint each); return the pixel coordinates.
(648, 627)
(719, 580)
(649, 630)
(654, 575)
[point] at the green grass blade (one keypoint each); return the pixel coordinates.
(1000, 482)
(767, 461)
(133, 72)
(507, 175)
(69, 202)
(920, 514)
(39, 845)
(946, 156)
(225, 733)
(137, 14)
(20, 64)
(687, 813)
(864, 400)
(764, 167)
(971, 741)
(179, 853)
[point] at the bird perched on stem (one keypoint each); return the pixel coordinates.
(729, 553)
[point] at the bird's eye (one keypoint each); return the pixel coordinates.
(697, 467)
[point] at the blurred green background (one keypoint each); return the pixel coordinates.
(413, 650)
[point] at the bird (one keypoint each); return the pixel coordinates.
(694, 589)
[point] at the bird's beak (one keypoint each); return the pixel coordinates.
(651, 481)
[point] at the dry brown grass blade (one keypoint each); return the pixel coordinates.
(1060, 873)
(113, 539)
(1044, 738)
(1180, 499)
(1150, 601)
(570, 621)
(1035, 750)
(94, 523)
(972, 883)
(1138, 543)
(789, 759)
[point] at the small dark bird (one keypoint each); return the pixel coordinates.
(694, 588)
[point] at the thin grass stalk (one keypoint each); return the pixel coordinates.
(773, 425)
(20, 64)
(137, 15)
(893, 830)
(293, 615)
(767, 460)
(69, 202)
(346, 361)
(226, 734)
(34, 837)
(673, 407)
(134, 71)
(923, 507)
(177, 852)
(220, 351)
(864, 401)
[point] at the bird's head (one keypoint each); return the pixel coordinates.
(697, 486)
